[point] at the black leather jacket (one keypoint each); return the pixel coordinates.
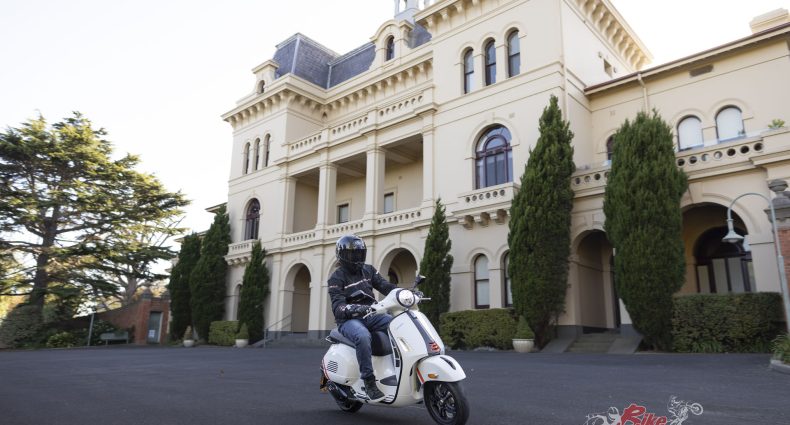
(344, 283)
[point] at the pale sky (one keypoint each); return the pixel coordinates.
(158, 74)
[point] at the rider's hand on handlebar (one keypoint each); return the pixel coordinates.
(419, 294)
(356, 310)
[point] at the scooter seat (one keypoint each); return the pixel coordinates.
(380, 342)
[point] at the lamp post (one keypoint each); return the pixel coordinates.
(733, 237)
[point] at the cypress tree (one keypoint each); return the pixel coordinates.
(207, 281)
(644, 224)
(254, 289)
(178, 286)
(435, 266)
(539, 233)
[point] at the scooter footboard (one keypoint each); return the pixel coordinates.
(439, 368)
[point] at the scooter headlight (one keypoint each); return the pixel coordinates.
(406, 298)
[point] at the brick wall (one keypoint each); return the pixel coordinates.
(136, 316)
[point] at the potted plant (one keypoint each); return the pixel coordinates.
(189, 339)
(242, 336)
(524, 338)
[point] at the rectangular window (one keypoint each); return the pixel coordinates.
(342, 213)
(389, 202)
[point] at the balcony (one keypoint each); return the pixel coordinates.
(398, 219)
(239, 252)
(484, 206)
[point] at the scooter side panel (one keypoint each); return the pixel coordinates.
(340, 364)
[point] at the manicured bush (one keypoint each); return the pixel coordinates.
(223, 332)
(717, 323)
(62, 340)
(22, 327)
(243, 332)
(781, 348)
(523, 331)
(479, 328)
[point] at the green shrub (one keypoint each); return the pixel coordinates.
(223, 332)
(23, 327)
(781, 348)
(478, 328)
(62, 340)
(243, 332)
(523, 331)
(717, 323)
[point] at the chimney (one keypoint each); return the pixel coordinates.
(769, 20)
(405, 9)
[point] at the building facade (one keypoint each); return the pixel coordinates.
(443, 103)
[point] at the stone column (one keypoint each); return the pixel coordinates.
(374, 182)
(326, 195)
(427, 166)
(289, 203)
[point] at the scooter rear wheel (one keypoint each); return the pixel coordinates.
(446, 402)
(348, 405)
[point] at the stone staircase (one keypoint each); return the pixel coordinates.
(593, 343)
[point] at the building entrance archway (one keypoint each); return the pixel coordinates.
(300, 299)
(597, 295)
(399, 267)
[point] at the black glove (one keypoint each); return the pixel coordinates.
(418, 294)
(355, 311)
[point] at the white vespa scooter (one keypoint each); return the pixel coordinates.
(408, 360)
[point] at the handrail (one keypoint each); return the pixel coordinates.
(269, 328)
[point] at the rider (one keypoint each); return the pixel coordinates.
(351, 292)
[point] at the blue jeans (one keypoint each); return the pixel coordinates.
(358, 331)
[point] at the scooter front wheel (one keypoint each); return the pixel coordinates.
(446, 402)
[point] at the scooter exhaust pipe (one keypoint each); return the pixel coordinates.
(337, 392)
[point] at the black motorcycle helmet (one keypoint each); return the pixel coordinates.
(351, 251)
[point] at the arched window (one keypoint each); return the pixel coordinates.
(609, 148)
(689, 133)
(390, 47)
(267, 142)
(246, 165)
(490, 58)
(261, 86)
(513, 54)
(723, 267)
(508, 292)
(729, 123)
(469, 70)
(481, 282)
(257, 155)
(494, 158)
(252, 220)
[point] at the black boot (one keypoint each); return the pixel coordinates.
(374, 393)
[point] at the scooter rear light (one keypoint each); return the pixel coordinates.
(434, 347)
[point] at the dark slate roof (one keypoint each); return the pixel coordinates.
(419, 36)
(308, 59)
(351, 64)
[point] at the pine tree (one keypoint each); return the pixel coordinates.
(207, 281)
(254, 289)
(644, 224)
(180, 293)
(539, 236)
(435, 266)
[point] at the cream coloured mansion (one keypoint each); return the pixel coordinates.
(443, 102)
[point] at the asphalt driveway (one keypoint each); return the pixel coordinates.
(211, 385)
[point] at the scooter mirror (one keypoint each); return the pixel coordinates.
(418, 280)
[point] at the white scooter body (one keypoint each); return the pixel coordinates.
(418, 356)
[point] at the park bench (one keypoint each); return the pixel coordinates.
(114, 336)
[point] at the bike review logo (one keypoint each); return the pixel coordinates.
(635, 414)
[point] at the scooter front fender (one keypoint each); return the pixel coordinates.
(439, 368)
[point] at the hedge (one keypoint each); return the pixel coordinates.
(781, 348)
(717, 323)
(223, 332)
(478, 328)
